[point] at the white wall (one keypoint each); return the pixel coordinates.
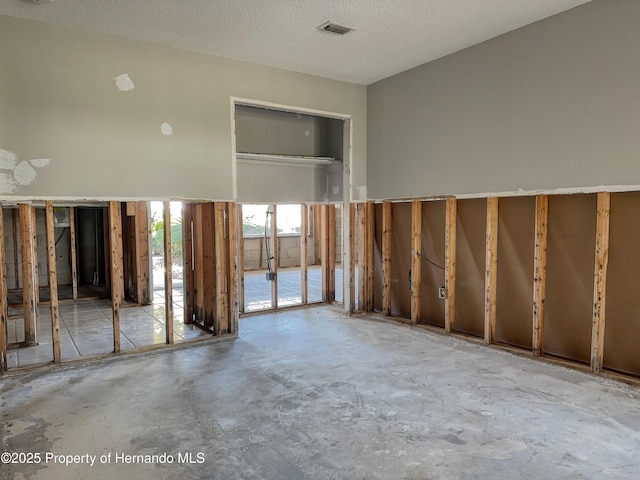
(552, 105)
(59, 100)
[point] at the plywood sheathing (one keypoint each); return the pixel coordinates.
(432, 260)
(401, 259)
(470, 252)
(569, 293)
(234, 232)
(622, 328)
(515, 271)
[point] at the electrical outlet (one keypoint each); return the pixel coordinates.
(271, 276)
(442, 292)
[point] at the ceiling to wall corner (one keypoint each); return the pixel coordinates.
(390, 36)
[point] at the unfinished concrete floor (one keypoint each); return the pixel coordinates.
(311, 394)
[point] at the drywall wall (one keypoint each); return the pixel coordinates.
(622, 328)
(470, 265)
(432, 276)
(514, 288)
(260, 182)
(571, 236)
(552, 105)
(107, 118)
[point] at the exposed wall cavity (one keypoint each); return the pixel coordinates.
(470, 247)
(277, 133)
(432, 263)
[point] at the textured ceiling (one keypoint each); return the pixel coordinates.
(391, 35)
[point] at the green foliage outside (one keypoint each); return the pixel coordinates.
(157, 239)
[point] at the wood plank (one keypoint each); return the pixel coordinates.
(233, 266)
(187, 248)
(324, 249)
(240, 221)
(130, 208)
(168, 274)
(16, 253)
(117, 273)
(450, 264)
(304, 246)
(416, 258)
(3, 296)
(143, 280)
(352, 257)
(369, 245)
(540, 273)
(209, 265)
(491, 270)
(361, 212)
(317, 233)
(74, 255)
(331, 253)
(28, 272)
(600, 280)
(221, 324)
(386, 258)
(273, 239)
(53, 281)
(36, 267)
(198, 262)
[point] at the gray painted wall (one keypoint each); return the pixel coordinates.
(552, 105)
(59, 101)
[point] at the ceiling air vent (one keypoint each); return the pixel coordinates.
(334, 28)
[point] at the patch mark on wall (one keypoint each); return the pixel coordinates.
(124, 82)
(166, 129)
(20, 175)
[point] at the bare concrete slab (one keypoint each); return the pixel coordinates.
(311, 394)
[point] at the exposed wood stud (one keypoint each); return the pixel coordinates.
(16, 254)
(74, 256)
(331, 252)
(117, 275)
(36, 268)
(416, 258)
(369, 249)
(450, 264)
(198, 262)
(362, 256)
(352, 258)
(304, 246)
(386, 258)
(209, 265)
(232, 291)
(540, 273)
(221, 323)
(273, 246)
(53, 281)
(28, 273)
(3, 296)
(187, 249)
(168, 274)
(239, 221)
(600, 280)
(323, 231)
(317, 232)
(491, 269)
(141, 222)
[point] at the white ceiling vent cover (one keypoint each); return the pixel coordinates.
(335, 28)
